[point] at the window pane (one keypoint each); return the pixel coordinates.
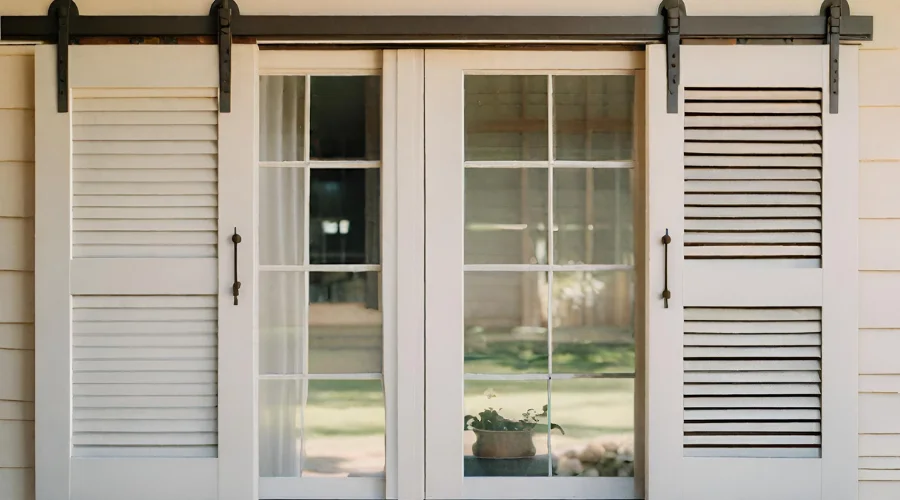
(280, 428)
(597, 416)
(345, 216)
(281, 212)
(344, 424)
(593, 117)
(506, 216)
(505, 322)
(282, 304)
(338, 432)
(281, 104)
(345, 118)
(593, 216)
(521, 449)
(593, 325)
(506, 117)
(345, 323)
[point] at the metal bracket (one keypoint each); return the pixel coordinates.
(63, 11)
(224, 11)
(833, 10)
(672, 11)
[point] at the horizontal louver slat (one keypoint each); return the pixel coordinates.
(752, 382)
(753, 161)
(145, 173)
(144, 381)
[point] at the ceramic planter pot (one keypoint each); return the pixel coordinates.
(503, 444)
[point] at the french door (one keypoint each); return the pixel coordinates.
(532, 274)
(496, 194)
(337, 319)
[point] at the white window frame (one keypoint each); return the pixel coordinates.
(444, 270)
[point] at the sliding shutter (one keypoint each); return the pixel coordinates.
(129, 247)
(753, 361)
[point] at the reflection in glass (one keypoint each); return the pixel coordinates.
(280, 429)
(593, 328)
(345, 216)
(344, 426)
(281, 104)
(282, 305)
(592, 211)
(339, 431)
(598, 418)
(521, 450)
(505, 322)
(505, 117)
(281, 212)
(345, 118)
(593, 117)
(506, 216)
(345, 323)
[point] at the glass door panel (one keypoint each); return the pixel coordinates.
(530, 219)
(322, 415)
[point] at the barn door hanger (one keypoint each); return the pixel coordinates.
(675, 15)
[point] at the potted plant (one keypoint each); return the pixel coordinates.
(499, 437)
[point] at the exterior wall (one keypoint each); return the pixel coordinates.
(16, 273)
(879, 237)
(879, 244)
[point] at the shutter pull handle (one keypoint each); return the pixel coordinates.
(666, 294)
(236, 287)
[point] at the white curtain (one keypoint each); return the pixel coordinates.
(282, 297)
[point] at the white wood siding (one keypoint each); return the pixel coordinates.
(16, 273)
(879, 249)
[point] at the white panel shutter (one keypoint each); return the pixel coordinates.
(758, 341)
(137, 230)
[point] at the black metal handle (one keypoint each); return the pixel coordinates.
(666, 294)
(236, 287)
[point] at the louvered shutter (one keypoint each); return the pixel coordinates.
(752, 366)
(131, 278)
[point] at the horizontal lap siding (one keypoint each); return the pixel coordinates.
(16, 274)
(879, 249)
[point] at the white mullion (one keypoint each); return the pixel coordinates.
(322, 268)
(546, 268)
(544, 376)
(304, 383)
(321, 376)
(344, 164)
(613, 164)
(550, 261)
(320, 164)
(506, 164)
(307, 102)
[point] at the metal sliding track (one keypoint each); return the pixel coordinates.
(225, 24)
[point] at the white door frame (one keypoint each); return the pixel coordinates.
(444, 268)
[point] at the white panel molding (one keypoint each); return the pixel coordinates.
(664, 352)
(443, 266)
(144, 479)
(53, 313)
(238, 473)
(128, 66)
(404, 72)
(749, 479)
(840, 258)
